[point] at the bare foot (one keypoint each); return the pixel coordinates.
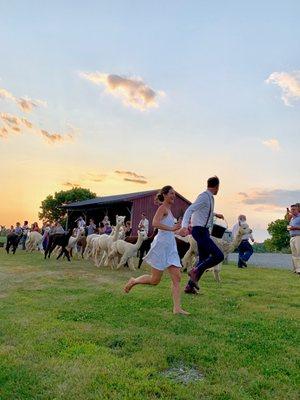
(181, 311)
(129, 285)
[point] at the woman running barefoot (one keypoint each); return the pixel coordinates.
(163, 253)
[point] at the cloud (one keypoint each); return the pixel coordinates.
(13, 124)
(289, 83)
(71, 184)
(24, 103)
(129, 174)
(272, 198)
(132, 91)
(141, 181)
(272, 144)
(95, 177)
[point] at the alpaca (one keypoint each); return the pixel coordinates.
(126, 250)
(225, 246)
(34, 241)
(72, 244)
(61, 240)
(145, 247)
(102, 244)
(89, 245)
(12, 240)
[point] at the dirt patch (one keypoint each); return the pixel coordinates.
(183, 374)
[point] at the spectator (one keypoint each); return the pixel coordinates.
(288, 215)
(108, 228)
(57, 229)
(46, 233)
(101, 228)
(106, 220)
(294, 230)
(25, 230)
(144, 224)
(245, 249)
(91, 228)
(18, 230)
(128, 228)
(80, 222)
(35, 227)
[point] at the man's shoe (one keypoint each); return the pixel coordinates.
(190, 290)
(244, 264)
(193, 274)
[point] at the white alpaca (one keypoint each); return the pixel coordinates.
(102, 245)
(72, 244)
(127, 250)
(34, 241)
(225, 246)
(89, 245)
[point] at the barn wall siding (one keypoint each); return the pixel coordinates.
(146, 204)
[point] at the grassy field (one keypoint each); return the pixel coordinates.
(67, 331)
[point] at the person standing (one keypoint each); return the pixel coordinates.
(245, 249)
(25, 230)
(80, 222)
(91, 228)
(294, 230)
(201, 214)
(128, 228)
(144, 224)
(163, 254)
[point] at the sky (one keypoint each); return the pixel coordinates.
(124, 96)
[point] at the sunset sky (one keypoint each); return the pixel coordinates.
(123, 96)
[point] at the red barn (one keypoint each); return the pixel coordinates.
(130, 204)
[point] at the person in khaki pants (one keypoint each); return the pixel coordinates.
(294, 229)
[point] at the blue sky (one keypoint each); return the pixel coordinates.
(211, 60)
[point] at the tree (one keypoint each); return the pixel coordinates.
(279, 236)
(51, 206)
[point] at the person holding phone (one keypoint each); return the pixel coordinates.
(294, 230)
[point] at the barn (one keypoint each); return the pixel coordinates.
(130, 204)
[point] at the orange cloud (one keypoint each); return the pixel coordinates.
(70, 184)
(132, 91)
(143, 182)
(24, 103)
(13, 124)
(129, 173)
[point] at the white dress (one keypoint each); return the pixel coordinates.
(163, 252)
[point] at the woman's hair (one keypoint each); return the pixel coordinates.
(163, 191)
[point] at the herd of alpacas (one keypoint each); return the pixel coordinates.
(116, 250)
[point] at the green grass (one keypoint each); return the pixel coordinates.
(67, 331)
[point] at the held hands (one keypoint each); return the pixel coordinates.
(183, 232)
(176, 226)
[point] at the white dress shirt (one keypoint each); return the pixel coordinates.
(201, 212)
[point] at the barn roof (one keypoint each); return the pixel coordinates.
(114, 199)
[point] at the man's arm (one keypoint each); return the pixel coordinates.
(198, 204)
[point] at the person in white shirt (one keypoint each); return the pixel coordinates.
(201, 214)
(245, 249)
(144, 224)
(80, 222)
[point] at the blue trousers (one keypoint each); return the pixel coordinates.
(245, 250)
(209, 253)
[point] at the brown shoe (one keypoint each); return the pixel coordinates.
(193, 274)
(190, 290)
